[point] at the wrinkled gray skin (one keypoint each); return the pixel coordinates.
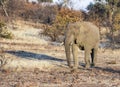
(83, 35)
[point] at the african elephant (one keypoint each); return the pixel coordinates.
(83, 35)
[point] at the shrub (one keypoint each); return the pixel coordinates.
(4, 33)
(63, 17)
(116, 26)
(116, 21)
(15, 9)
(30, 12)
(2, 24)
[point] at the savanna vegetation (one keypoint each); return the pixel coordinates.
(107, 15)
(29, 59)
(55, 17)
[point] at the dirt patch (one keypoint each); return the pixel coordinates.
(62, 78)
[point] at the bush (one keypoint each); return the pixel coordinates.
(39, 13)
(98, 14)
(14, 10)
(116, 21)
(2, 24)
(116, 26)
(4, 33)
(31, 12)
(63, 17)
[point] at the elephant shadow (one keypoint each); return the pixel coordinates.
(111, 70)
(31, 55)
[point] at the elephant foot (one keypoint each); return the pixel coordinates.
(74, 69)
(92, 65)
(70, 66)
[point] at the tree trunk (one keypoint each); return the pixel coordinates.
(4, 9)
(111, 14)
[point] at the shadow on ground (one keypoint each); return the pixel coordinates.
(31, 55)
(108, 69)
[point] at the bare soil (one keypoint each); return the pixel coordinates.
(31, 61)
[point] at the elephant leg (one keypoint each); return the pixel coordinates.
(94, 60)
(95, 56)
(75, 57)
(87, 59)
(67, 50)
(92, 57)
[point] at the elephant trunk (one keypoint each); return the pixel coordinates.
(67, 51)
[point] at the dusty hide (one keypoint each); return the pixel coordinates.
(18, 64)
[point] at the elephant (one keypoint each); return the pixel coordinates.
(85, 36)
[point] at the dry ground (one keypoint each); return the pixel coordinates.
(30, 60)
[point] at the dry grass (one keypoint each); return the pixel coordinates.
(18, 64)
(41, 64)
